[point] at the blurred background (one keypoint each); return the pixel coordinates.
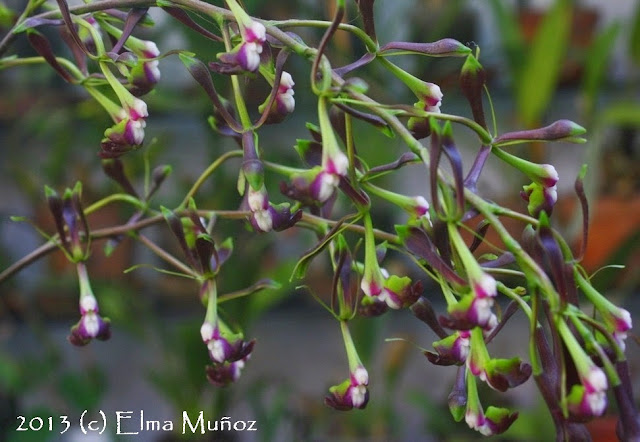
(544, 62)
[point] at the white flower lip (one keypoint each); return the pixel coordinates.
(206, 331)
(88, 303)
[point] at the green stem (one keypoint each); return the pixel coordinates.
(113, 198)
(352, 353)
(356, 31)
(237, 91)
(212, 303)
(13, 62)
(207, 173)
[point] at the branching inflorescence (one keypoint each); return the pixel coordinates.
(116, 69)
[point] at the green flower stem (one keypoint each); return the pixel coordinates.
(580, 358)
(536, 364)
(123, 94)
(500, 271)
(207, 173)
(473, 400)
(449, 297)
(469, 261)
(330, 146)
(356, 31)
(372, 270)
(599, 301)
(240, 14)
(403, 201)
(478, 346)
(13, 62)
(532, 170)
(112, 108)
(95, 35)
(235, 83)
(351, 150)
(212, 303)
(590, 341)
(620, 356)
(83, 280)
(352, 353)
(511, 294)
(282, 169)
(412, 82)
(124, 197)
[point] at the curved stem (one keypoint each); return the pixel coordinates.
(356, 31)
(113, 198)
(207, 173)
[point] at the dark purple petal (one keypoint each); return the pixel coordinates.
(184, 18)
(470, 182)
(310, 152)
(133, 17)
(114, 169)
(199, 72)
(34, 22)
(374, 120)
(503, 374)
(418, 243)
(584, 204)
(478, 237)
(423, 310)
(499, 419)
(405, 158)
(359, 197)
(503, 260)
(176, 227)
(472, 82)
(55, 207)
(628, 427)
(159, 174)
(552, 251)
(511, 309)
(362, 61)
(223, 374)
(43, 48)
(451, 151)
(365, 7)
(457, 399)
(447, 47)
(66, 17)
(435, 152)
(558, 130)
(372, 306)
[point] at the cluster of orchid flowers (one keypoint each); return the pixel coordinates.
(586, 357)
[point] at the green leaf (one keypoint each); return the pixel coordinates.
(83, 389)
(539, 77)
(634, 41)
(622, 114)
(596, 63)
(512, 39)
